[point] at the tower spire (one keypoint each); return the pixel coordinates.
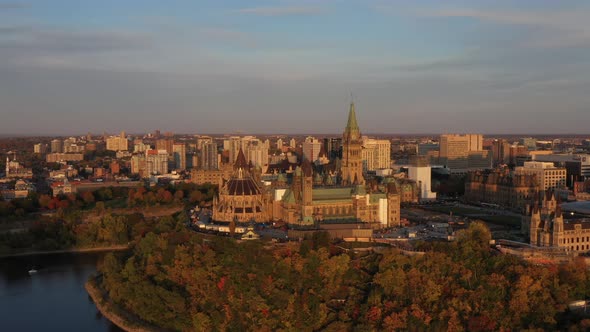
(352, 130)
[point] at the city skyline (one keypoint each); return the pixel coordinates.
(290, 66)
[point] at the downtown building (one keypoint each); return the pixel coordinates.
(461, 153)
(376, 154)
(117, 143)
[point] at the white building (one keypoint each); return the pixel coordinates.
(311, 148)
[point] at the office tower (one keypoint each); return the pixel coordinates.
(333, 147)
(157, 161)
(548, 176)
(233, 145)
(118, 143)
(40, 148)
(455, 151)
(166, 144)
(311, 148)
(140, 147)
(179, 151)
(500, 151)
(202, 140)
(424, 149)
(209, 160)
(376, 153)
(280, 144)
(258, 155)
(57, 146)
(293, 143)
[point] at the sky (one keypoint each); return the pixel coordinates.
(293, 66)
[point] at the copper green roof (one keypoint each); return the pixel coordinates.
(374, 198)
(289, 197)
(352, 128)
(332, 194)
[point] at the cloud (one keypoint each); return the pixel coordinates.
(224, 35)
(281, 11)
(70, 41)
(39, 46)
(556, 28)
(13, 5)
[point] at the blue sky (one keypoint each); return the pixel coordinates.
(289, 66)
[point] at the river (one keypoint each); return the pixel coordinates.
(54, 298)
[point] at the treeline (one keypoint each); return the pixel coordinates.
(71, 232)
(184, 281)
(184, 193)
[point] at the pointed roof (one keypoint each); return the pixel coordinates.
(352, 124)
(241, 160)
(352, 130)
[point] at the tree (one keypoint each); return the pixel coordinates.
(88, 197)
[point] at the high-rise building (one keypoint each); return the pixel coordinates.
(333, 147)
(455, 151)
(280, 144)
(311, 148)
(179, 150)
(258, 155)
(118, 143)
(138, 165)
(157, 161)
(166, 144)
(57, 146)
(500, 151)
(420, 171)
(352, 164)
(376, 153)
(293, 143)
(40, 148)
(209, 159)
(233, 145)
(141, 147)
(202, 140)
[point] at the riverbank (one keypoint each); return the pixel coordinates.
(113, 313)
(65, 251)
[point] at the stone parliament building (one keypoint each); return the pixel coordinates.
(312, 194)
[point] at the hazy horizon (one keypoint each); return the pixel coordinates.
(290, 66)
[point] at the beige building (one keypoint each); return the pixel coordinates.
(549, 176)
(58, 157)
(213, 176)
(118, 143)
(460, 153)
(376, 153)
